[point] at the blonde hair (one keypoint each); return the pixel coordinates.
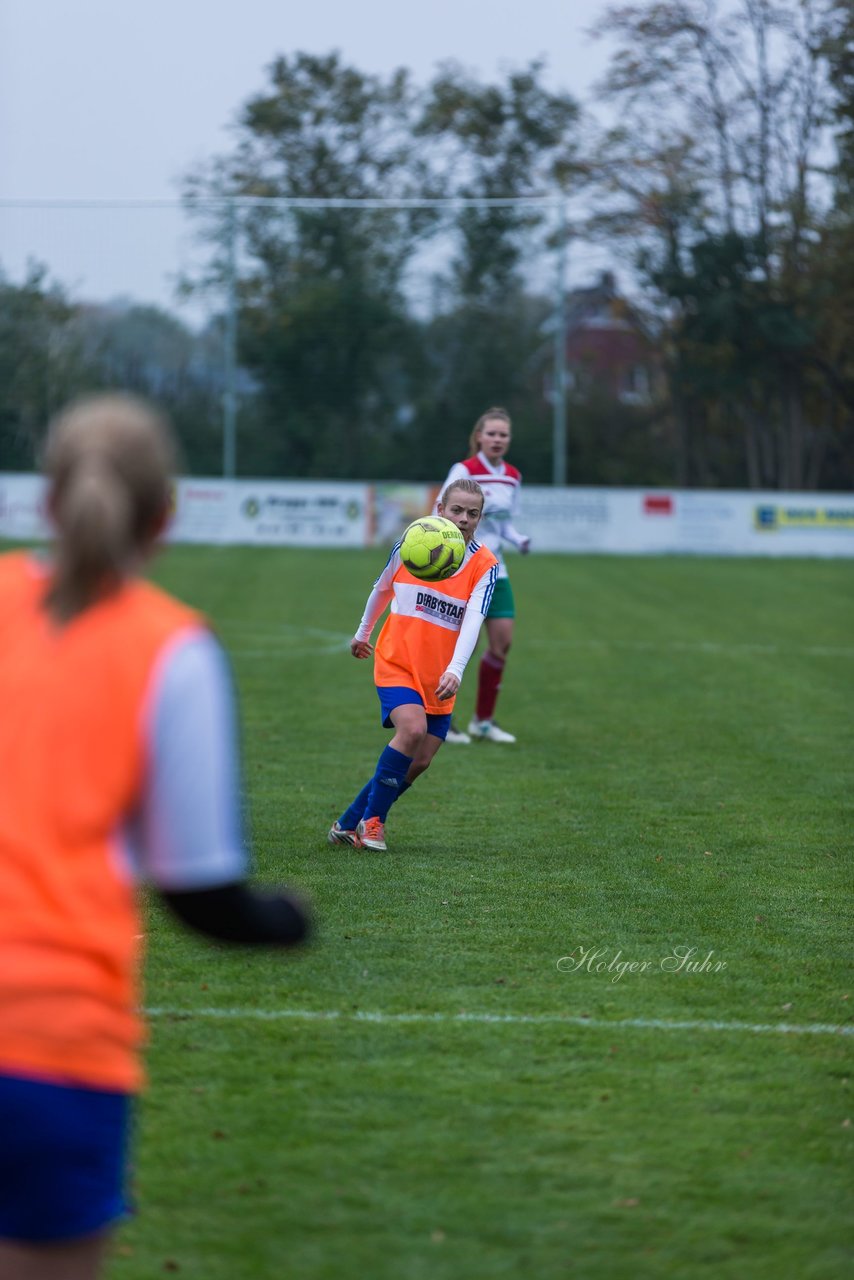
(495, 412)
(109, 461)
(467, 486)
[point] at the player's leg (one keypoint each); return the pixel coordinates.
(79, 1260)
(390, 777)
(499, 632)
(393, 701)
(344, 829)
(62, 1173)
(423, 757)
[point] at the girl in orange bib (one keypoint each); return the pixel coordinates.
(421, 654)
(118, 761)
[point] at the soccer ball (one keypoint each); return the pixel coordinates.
(432, 548)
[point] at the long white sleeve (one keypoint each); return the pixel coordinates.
(504, 525)
(476, 610)
(380, 596)
(509, 533)
(188, 833)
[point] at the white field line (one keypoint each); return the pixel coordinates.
(279, 642)
(541, 1019)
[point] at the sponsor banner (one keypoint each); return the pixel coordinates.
(22, 509)
(393, 507)
(692, 521)
(566, 519)
(273, 513)
(617, 521)
(291, 513)
(775, 518)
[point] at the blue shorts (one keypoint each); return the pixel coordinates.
(397, 695)
(62, 1160)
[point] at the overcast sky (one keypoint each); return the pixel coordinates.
(101, 99)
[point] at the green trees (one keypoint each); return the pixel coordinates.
(355, 373)
(52, 350)
(387, 251)
(324, 329)
(715, 175)
(499, 142)
(40, 363)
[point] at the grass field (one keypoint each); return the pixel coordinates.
(426, 1092)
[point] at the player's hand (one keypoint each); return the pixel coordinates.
(447, 686)
(361, 648)
(524, 546)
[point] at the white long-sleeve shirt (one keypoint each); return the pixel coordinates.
(500, 484)
(188, 831)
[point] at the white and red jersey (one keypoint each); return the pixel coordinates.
(500, 486)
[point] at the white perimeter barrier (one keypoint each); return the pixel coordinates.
(309, 513)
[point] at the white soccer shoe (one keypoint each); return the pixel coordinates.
(337, 835)
(488, 731)
(457, 735)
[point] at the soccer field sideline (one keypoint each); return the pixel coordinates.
(556, 1019)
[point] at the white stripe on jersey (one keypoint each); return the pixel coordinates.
(394, 551)
(487, 599)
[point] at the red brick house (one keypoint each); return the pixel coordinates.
(609, 350)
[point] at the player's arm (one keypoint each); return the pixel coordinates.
(377, 602)
(238, 914)
(508, 531)
(520, 541)
(189, 836)
(476, 610)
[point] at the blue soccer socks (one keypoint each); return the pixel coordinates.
(387, 784)
(397, 769)
(351, 818)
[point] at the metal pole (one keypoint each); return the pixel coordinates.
(229, 398)
(559, 395)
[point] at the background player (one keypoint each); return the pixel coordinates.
(500, 482)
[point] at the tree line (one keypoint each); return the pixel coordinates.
(722, 187)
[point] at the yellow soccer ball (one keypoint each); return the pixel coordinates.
(432, 548)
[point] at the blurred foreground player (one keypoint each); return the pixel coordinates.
(118, 759)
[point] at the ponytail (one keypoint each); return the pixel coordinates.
(109, 460)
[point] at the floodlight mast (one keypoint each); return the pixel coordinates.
(559, 442)
(229, 397)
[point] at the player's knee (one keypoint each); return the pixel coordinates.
(409, 741)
